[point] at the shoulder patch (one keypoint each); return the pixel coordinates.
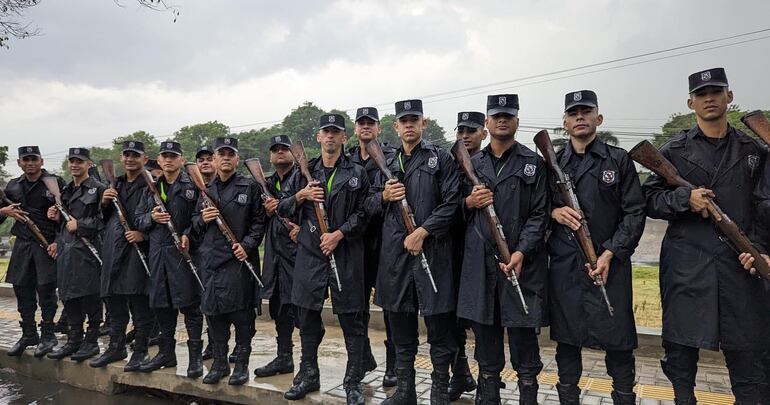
(243, 198)
(608, 176)
(529, 169)
(433, 162)
(189, 194)
(753, 161)
(353, 182)
(92, 190)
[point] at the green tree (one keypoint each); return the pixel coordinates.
(151, 144)
(683, 122)
(302, 123)
(194, 136)
(4, 175)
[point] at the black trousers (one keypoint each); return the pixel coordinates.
(311, 333)
(193, 321)
(138, 306)
(28, 296)
(282, 314)
(680, 364)
(78, 308)
(441, 337)
(523, 346)
(243, 320)
(621, 366)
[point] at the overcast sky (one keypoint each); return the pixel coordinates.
(99, 71)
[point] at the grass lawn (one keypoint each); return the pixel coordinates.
(647, 309)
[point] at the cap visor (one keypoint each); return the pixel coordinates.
(133, 150)
(405, 113)
(81, 157)
(225, 146)
(702, 85)
(23, 155)
(579, 103)
(503, 110)
(279, 144)
(371, 117)
(340, 127)
(170, 151)
(470, 124)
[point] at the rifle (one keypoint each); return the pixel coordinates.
(375, 152)
(567, 191)
(504, 254)
(646, 155)
(297, 150)
(53, 187)
(28, 222)
(170, 225)
(109, 173)
(197, 178)
(758, 123)
(255, 168)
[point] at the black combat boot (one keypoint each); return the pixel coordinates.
(623, 398)
(219, 368)
(353, 392)
(115, 351)
(389, 379)
(195, 365)
(405, 391)
(283, 363)
(74, 340)
(488, 390)
(241, 370)
(309, 380)
(29, 337)
(439, 388)
(208, 353)
(166, 356)
(90, 346)
(139, 355)
(569, 394)
(528, 391)
(47, 339)
(462, 380)
(369, 362)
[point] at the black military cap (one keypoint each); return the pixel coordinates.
(226, 142)
(29, 151)
(472, 119)
(282, 140)
(79, 153)
(152, 164)
(503, 103)
(332, 120)
(133, 146)
(580, 97)
(709, 77)
(203, 150)
(408, 107)
(369, 112)
(170, 147)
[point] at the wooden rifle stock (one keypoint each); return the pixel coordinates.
(646, 155)
(759, 124)
(53, 187)
(464, 161)
(375, 152)
(109, 172)
(255, 168)
(569, 197)
(200, 184)
(297, 150)
(171, 227)
(28, 222)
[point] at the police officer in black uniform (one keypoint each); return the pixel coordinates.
(763, 236)
(172, 286)
(709, 301)
(610, 195)
(516, 183)
(124, 277)
(342, 186)
(77, 267)
(470, 130)
(204, 159)
(231, 292)
(280, 252)
(32, 268)
(367, 128)
(429, 180)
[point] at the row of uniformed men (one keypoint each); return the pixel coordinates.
(366, 231)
